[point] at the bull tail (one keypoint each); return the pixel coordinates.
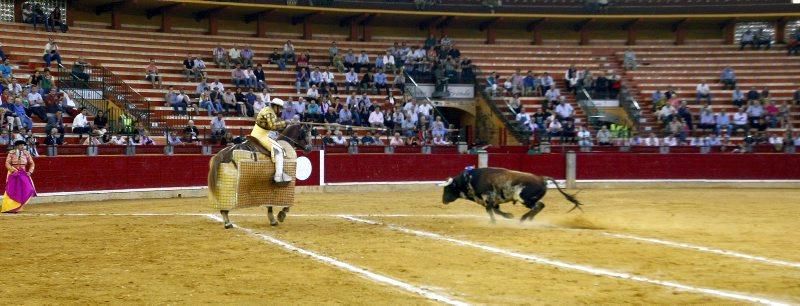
(570, 197)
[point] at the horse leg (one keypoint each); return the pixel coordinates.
(532, 213)
(272, 220)
(282, 214)
(227, 222)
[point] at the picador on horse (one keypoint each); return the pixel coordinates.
(260, 170)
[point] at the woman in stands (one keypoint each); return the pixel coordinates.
(19, 186)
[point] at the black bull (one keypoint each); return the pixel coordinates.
(491, 187)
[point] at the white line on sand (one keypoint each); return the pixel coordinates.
(705, 249)
(348, 267)
(576, 267)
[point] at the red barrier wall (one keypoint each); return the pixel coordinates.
(609, 166)
(341, 168)
(80, 173)
(552, 165)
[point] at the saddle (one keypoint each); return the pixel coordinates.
(245, 178)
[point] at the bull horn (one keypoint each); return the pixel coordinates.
(446, 183)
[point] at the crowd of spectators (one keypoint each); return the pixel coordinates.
(756, 111)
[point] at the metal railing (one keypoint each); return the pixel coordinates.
(631, 107)
(593, 115)
(414, 92)
(522, 134)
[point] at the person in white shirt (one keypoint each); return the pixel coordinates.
(376, 118)
(565, 110)
(200, 67)
(651, 141)
(389, 63)
(218, 85)
(338, 138)
(118, 140)
(584, 137)
(234, 56)
(396, 140)
(554, 128)
(424, 109)
(80, 124)
(740, 121)
(440, 141)
(703, 92)
(604, 136)
(350, 80)
(670, 141)
(288, 51)
(312, 93)
(776, 142)
(666, 113)
(524, 118)
(330, 81)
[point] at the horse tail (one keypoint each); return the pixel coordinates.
(212, 175)
(570, 197)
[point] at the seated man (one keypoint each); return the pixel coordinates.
(728, 78)
(188, 68)
(381, 82)
(747, 38)
(238, 77)
(80, 124)
(179, 103)
(79, 70)
(703, 92)
(191, 133)
(763, 38)
(151, 74)
(565, 111)
(220, 57)
(218, 127)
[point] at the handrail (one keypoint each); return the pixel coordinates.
(631, 107)
(588, 106)
(417, 89)
(522, 135)
(74, 86)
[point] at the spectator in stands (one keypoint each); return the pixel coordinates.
(229, 102)
(301, 80)
(554, 128)
(179, 102)
(524, 119)
(238, 77)
(14, 88)
(670, 141)
(80, 70)
(202, 87)
(53, 139)
(389, 62)
(217, 85)
(793, 46)
(707, 120)
(173, 140)
(666, 113)
(755, 112)
(686, 114)
(100, 120)
(492, 84)
(329, 81)
(247, 54)
(565, 111)
(250, 78)
(3, 55)
(367, 82)
(363, 62)
(516, 83)
(261, 78)
(765, 94)
(753, 94)
(80, 124)
(351, 80)
(629, 60)
(234, 56)
(376, 118)
(776, 142)
(210, 105)
(54, 20)
(728, 78)
(584, 136)
(601, 86)
(199, 67)
(763, 38)
(747, 38)
(771, 113)
(313, 93)
(188, 68)
(220, 57)
(396, 140)
(604, 136)
(51, 53)
(315, 78)
(737, 97)
(551, 96)
(6, 72)
(218, 127)
(703, 92)
(546, 82)
(151, 74)
(652, 140)
(18, 109)
(278, 59)
(303, 61)
(740, 121)
(381, 82)
(288, 51)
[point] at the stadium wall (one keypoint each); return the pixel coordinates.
(83, 173)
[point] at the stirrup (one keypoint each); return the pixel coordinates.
(285, 178)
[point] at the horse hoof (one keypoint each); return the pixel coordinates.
(281, 216)
(274, 223)
(228, 225)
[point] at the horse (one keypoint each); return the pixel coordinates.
(295, 134)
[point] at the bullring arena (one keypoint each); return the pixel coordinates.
(638, 246)
(132, 130)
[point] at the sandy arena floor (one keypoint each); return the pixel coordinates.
(719, 246)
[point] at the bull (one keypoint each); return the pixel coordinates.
(491, 187)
